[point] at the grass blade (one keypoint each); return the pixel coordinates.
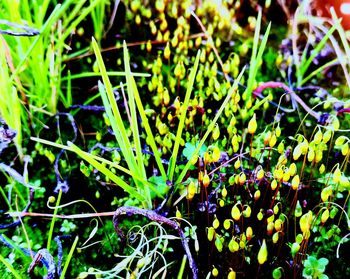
(173, 158)
(211, 126)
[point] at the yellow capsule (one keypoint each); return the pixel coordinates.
(260, 174)
(210, 233)
(275, 237)
(269, 228)
(260, 216)
(216, 223)
(280, 147)
(326, 192)
(249, 233)
(237, 164)
(278, 174)
(257, 195)
(227, 224)
(178, 214)
(274, 184)
(278, 225)
(252, 125)
(215, 272)
(247, 212)
(325, 215)
(292, 169)
(206, 180)
(224, 192)
(327, 136)
(310, 155)
(235, 213)
(231, 275)
(336, 175)
(322, 168)
(273, 140)
(295, 182)
(216, 132)
(286, 176)
(345, 149)
(318, 137)
(167, 51)
(275, 209)
(216, 154)
(233, 245)
(305, 222)
(262, 255)
(242, 178)
(218, 243)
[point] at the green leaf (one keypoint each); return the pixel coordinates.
(190, 149)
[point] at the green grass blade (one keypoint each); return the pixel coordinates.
(211, 126)
(69, 257)
(132, 106)
(10, 267)
(304, 65)
(173, 158)
(101, 168)
(114, 114)
(256, 58)
(53, 220)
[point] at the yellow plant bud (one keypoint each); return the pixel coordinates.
(319, 155)
(280, 147)
(247, 212)
(327, 136)
(262, 255)
(215, 272)
(224, 192)
(216, 132)
(275, 237)
(275, 209)
(206, 180)
(231, 275)
(305, 222)
(191, 190)
(235, 213)
(278, 174)
(252, 125)
(326, 192)
(318, 137)
(167, 51)
(257, 195)
(340, 140)
(322, 168)
(278, 225)
(237, 164)
(286, 176)
(292, 169)
(260, 216)
(325, 215)
(233, 245)
(274, 184)
(336, 175)
(269, 228)
(207, 158)
(345, 149)
(210, 233)
(221, 203)
(178, 213)
(219, 243)
(278, 131)
(249, 233)
(295, 182)
(216, 223)
(227, 224)
(260, 174)
(242, 178)
(273, 140)
(311, 155)
(149, 46)
(267, 138)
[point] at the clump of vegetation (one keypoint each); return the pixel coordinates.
(214, 136)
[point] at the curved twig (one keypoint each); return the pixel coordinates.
(130, 210)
